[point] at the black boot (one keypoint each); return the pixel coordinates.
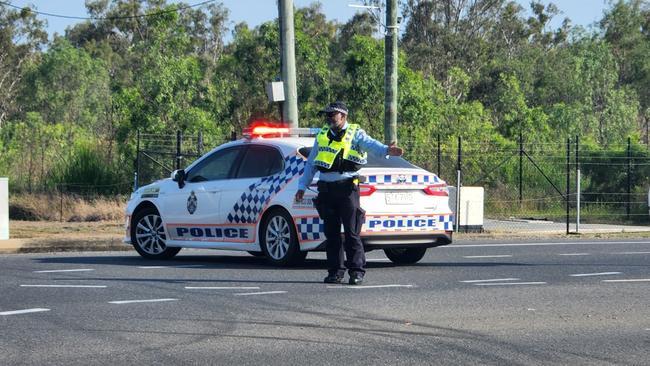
(356, 279)
(333, 279)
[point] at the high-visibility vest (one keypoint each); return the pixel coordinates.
(329, 149)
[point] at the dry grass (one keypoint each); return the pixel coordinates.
(68, 208)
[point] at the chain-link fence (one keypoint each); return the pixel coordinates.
(528, 186)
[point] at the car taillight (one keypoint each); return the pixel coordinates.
(366, 189)
(437, 190)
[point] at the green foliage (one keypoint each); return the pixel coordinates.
(487, 71)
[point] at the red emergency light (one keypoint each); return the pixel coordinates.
(266, 129)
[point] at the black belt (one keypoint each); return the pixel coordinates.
(337, 183)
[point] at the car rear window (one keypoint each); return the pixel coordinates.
(373, 161)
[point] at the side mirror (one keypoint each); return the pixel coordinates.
(179, 177)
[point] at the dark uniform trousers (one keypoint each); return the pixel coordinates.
(338, 203)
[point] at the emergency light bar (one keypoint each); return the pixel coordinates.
(278, 131)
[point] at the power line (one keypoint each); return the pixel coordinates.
(106, 18)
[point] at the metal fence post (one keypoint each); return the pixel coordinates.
(136, 183)
(179, 138)
(521, 172)
(458, 178)
(577, 184)
(233, 135)
(629, 177)
(568, 181)
(199, 143)
(438, 172)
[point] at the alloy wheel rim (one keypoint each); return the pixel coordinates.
(278, 237)
(150, 234)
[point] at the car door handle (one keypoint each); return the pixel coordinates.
(213, 191)
(263, 188)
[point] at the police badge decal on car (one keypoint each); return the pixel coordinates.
(191, 203)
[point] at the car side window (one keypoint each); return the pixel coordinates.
(260, 161)
(220, 165)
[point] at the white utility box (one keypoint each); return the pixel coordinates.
(4, 208)
(275, 91)
(471, 208)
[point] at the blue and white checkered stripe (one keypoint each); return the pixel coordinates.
(251, 203)
(410, 178)
(447, 222)
(310, 228)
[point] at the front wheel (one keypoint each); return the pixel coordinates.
(148, 235)
(279, 240)
(405, 255)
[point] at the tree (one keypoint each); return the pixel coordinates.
(21, 37)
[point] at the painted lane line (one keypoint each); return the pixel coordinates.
(222, 288)
(488, 256)
(260, 293)
(378, 260)
(594, 274)
(629, 253)
(165, 267)
(540, 244)
(509, 283)
(66, 286)
(375, 286)
(630, 280)
(65, 270)
(573, 254)
(492, 280)
(138, 301)
(25, 311)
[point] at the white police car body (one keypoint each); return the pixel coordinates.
(240, 196)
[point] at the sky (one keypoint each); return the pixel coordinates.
(255, 12)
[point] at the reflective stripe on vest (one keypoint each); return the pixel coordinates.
(327, 150)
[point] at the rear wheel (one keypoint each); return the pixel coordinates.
(405, 255)
(279, 240)
(148, 235)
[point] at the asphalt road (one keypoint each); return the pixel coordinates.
(469, 303)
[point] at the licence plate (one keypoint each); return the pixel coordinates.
(399, 198)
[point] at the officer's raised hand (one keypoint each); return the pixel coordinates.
(394, 150)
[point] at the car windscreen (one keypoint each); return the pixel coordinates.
(373, 161)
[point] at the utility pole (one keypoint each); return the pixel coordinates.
(390, 76)
(288, 60)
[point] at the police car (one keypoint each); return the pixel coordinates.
(240, 196)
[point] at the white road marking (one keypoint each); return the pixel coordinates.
(540, 244)
(488, 256)
(65, 270)
(66, 286)
(378, 260)
(631, 253)
(573, 254)
(260, 293)
(25, 311)
(221, 288)
(182, 266)
(630, 280)
(137, 301)
(375, 286)
(492, 280)
(594, 274)
(509, 283)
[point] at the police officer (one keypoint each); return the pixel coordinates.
(338, 153)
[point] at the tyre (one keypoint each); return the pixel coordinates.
(279, 240)
(148, 235)
(405, 255)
